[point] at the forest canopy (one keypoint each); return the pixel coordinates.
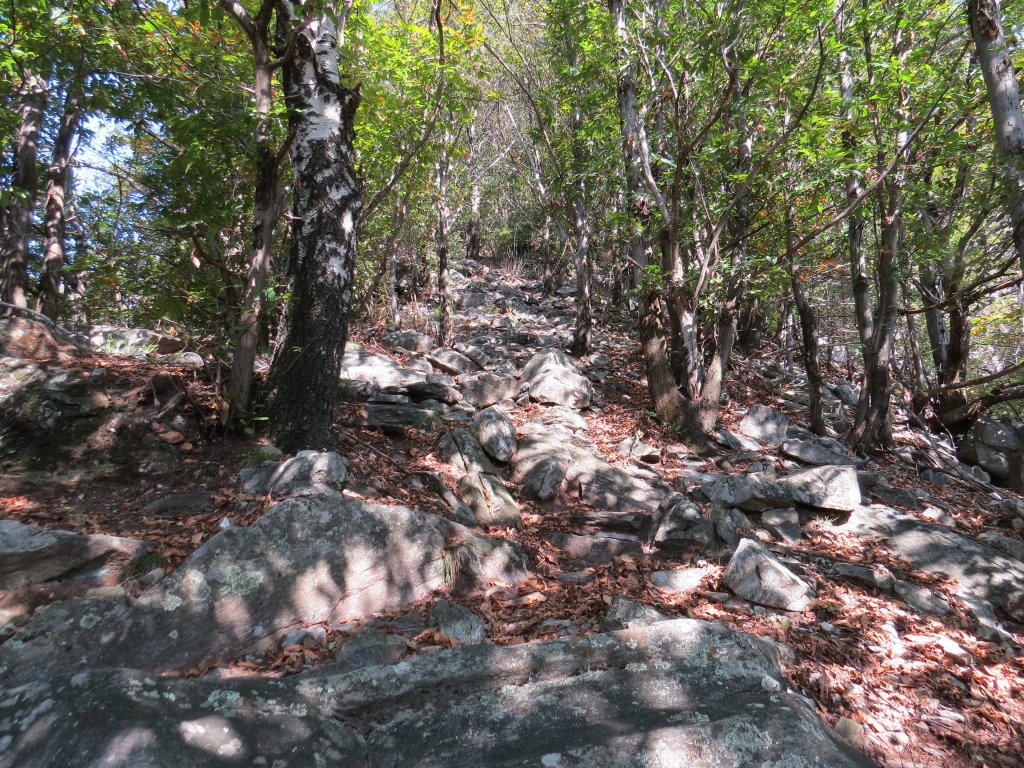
(845, 180)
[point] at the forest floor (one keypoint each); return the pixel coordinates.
(916, 700)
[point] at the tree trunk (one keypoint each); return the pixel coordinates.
(21, 202)
(54, 222)
(442, 225)
(303, 380)
(985, 20)
(583, 333)
(808, 332)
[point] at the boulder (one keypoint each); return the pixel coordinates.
(680, 581)
(554, 379)
(307, 474)
(424, 416)
(362, 366)
(450, 361)
(458, 623)
(676, 693)
(679, 529)
(812, 453)
(784, 523)
(997, 448)
(765, 424)
(730, 526)
(368, 649)
(755, 574)
(460, 449)
(607, 487)
(735, 442)
(490, 500)
(29, 556)
(624, 613)
(596, 549)
(496, 433)
(419, 391)
(541, 466)
(830, 487)
(306, 561)
(878, 577)
(485, 389)
(632, 448)
(751, 493)
(410, 341)
(985, 572)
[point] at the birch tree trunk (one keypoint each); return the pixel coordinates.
(303, 379)
(21, 203)
(54, 221)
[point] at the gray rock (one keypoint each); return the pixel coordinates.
(624, 613)
(31, 556)
(921, 598)
(755, 574)
(765, 424)
(752, 493)
(306, 475)
(597, 548)
(411, 341)
(810, 453)
(370, 648)
(545, 463)
(554, 379)
(487, 389)
(877, 577)
(784, 523)
(180, 503)
(831, 488)
(1012, 547)
(496, 433)
(995, 447)
(458, 623)
(731, 525)
(450, 361)
(490, 500)
(560, 415)
(679, 528)
(736, 442)
(361, 366)
(433, 390)
(477, 355)
(460, 449)
(424, 416)
(680, 581)
(115, 340)
(847, 394)
(631, 447)
(674, 694)
(305, 561)
(986, 572)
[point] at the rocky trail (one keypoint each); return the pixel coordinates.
(506, 562)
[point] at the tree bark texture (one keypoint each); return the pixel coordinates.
(985, 19)
(265, 214)
(21, 201)
(54, 221)
(303, 380)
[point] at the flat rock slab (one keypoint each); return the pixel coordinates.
(305, 561)
(29, 555)
(980, 569)
(818, 455)
(548, 466)
(765, 424)
(674, 694)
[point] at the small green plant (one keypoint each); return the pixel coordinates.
(714, 511)
(144, 563)
(261, 453)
